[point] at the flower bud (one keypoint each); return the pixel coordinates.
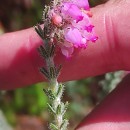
(57, 19)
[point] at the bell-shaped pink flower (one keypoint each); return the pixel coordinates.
(89, 28)
(90, 36)
(72, 10)
(83, 24)
(93, 38)
(82, 4)
(67, 51)
(74, 28)
(74, 36)
(57, 19)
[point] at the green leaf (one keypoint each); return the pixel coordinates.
(49, 93)
(64, 125)
(53, 127)
(52, 72)
(60, 109)
(51, 108)
(58, 70)
(43, 52)
(45, 72)
(45, 12)
(65, 107)
(52, 50)
(60, 90)
(39, 31)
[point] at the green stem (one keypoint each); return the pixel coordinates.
(55, 90)
(53, 83)
(57, 101)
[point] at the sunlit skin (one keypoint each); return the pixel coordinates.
(19, 60)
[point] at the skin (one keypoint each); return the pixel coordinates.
(20, 60)
(113, 112)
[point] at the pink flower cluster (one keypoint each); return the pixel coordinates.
(74, 29)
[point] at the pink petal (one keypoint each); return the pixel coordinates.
(72, 10)
(83, 23)
(94, 38)
(89, 28)
(82, 4)
(73, 36)
(90, 36)
(67, 51)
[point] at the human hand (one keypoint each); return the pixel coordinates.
(113, 112)
(20, 61)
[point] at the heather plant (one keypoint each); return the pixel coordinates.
(66, 26)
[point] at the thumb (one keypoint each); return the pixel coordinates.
(113, 112)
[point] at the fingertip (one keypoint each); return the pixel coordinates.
(113, 112)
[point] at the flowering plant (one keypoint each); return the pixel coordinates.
(66, 25)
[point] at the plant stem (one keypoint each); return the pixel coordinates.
(55, 90)
(53, 84)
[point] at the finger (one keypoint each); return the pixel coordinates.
(113, 28)
(111, 51)
(113, 112)
(20, 60)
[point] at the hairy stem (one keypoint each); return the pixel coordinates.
(55, 90)
(53, 83)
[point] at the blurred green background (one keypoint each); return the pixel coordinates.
(26, 108)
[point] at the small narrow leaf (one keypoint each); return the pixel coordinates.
(52, 50)
(49, 93)
(60, 90)
(64, 125)
(43, 52)
(62, 107)
(39, 31)
(52, 72)
(51, 108)
(45, 12)
(65, 107)
(59, 111)
(58, 70)
(47, 46)
(45, 72)
(53, 127)
(46, 31)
